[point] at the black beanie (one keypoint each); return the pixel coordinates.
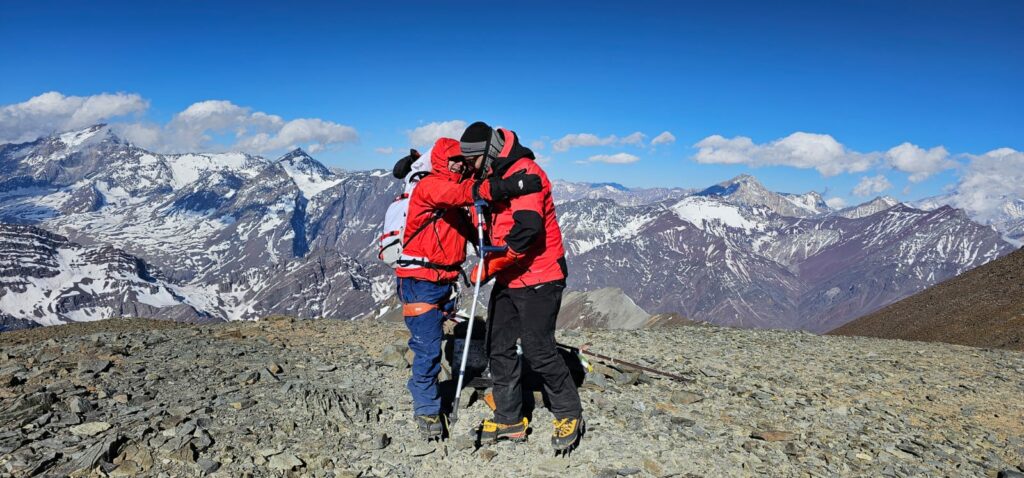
(476, 133)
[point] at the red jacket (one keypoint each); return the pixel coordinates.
(443, 241)
(527, 225)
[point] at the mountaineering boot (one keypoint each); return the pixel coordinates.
(491, 432)
(568, 432)
(430, 426)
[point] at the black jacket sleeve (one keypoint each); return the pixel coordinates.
(528, 226)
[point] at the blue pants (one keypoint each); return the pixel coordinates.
(425, 341)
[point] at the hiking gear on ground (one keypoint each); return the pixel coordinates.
(528, 225)
(404, 165)
(528, 315)
(425, 341)
(430, 426)
(517, 184)
(492, 431)
(497, 262)
(568, 432)
(477, 375)
(478, 209)
(581, 351)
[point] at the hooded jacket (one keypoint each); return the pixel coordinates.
(435, 210)
(526, 224)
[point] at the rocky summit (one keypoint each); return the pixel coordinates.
(282, 397)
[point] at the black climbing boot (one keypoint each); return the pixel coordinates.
(430, 426)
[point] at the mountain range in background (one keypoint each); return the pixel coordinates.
(110, 229)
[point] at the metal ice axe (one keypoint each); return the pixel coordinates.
(482, 250)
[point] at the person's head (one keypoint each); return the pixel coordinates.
(459, 165)
(475, 163)
(447, 161)
(474, 144)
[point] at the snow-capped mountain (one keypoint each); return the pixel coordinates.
(747, 265)
(565, 191)
(235, 236)
(746, 190)
(1008, 217)
(873, 206)
(265, 236)
(48, 280)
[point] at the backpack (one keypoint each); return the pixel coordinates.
(390, 244)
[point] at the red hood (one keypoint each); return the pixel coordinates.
(443, 149)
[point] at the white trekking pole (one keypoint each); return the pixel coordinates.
(479, 210)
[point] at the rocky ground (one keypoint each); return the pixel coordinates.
(327, 398)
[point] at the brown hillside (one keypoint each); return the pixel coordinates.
(983, 307)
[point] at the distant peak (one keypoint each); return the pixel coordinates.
(743, 182)
(86, 130)
(610, 185)
(743, 178)
(886, 201)
(82, 136)
(295, 153)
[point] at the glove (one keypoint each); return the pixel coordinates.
(515, 185)
(404, 165)
(495, 264)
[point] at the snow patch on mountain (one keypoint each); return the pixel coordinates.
(310, 177)
(188, 168)
(73, 139)
(874, 206)
(703, 212)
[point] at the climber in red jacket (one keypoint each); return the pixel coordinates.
(436, 231)
(529, 280)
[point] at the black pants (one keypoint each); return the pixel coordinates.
(528, 314)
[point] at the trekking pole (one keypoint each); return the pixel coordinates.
(614, 361)
(478, 209)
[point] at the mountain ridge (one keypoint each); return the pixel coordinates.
(292, 236)
(983, 307)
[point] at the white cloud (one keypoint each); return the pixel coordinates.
(990, 183)
(618, 158)
(800, 150)
(315, 133)
(427, 134)
(919, 162)
(537, 145)
(582, 140)
(872, 185)
(53, 112)
(212, 125)
(836, 203)
(385, 150)
(576, 140)
(218, 125)
(663, 138)
(634, 139)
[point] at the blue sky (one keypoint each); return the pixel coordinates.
(870, 74)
